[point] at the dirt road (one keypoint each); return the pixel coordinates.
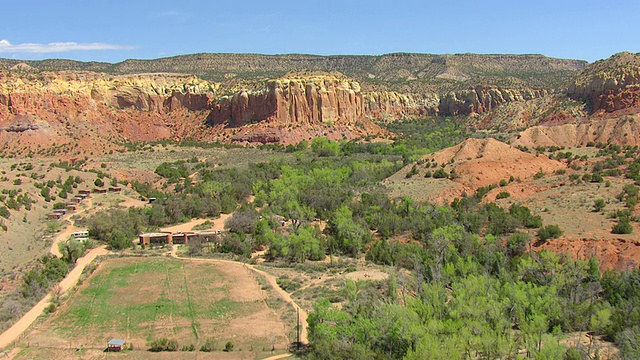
(218, 224)
(64, 234)
(67, 283)
(270, 279)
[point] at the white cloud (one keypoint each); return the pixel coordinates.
(7, 47)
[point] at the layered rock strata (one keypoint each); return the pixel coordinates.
(609, 85)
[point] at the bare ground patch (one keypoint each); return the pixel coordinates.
(142, 299)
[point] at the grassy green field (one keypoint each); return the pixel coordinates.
(145, 299)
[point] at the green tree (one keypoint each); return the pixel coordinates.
(119, 240)
(349, 235)
(517, 244)
(549, 232)
(71, 250)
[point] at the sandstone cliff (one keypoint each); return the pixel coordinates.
(481, 99)
(388, 105)
(295, 108)
(41, 109)
(609, 85)
(292, 100)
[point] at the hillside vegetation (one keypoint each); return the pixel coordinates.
(402, 72)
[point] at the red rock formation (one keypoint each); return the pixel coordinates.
(624, 130)
(298, 100)
(40, 109)
(609, 85)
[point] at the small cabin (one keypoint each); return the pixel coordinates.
(84, 192)
(54, 216)
(115, 189)
(99, 191)
(115, 345)
(80, 235)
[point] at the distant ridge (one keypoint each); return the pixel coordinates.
(402, 72)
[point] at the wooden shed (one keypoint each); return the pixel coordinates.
(115, 345)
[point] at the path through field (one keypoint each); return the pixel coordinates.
(270, 279)
(67, 283)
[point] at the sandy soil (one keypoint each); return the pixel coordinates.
(218, 224)
(270, 279)
(67, 283)
(135, 203)
(375, 275)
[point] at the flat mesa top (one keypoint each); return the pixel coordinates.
(116, 342)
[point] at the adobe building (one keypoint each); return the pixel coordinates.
(157, 238)
(183, 237)
(209, 235)
(84, 192)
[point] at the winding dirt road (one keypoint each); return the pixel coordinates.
(65, 284)
(64, 234)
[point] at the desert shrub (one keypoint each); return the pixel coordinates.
(163, 344)
(549, 232)
(209, 345)
(4, 212)
(623, 226)
(98, 183)
(228, 346)
(539, 175)
(517, 244)
(503, 182)
(413, 171)
(287, 284)
(598, 205)
(59, 205)
(503, 195)
(523, 214)
(440, 174)
(596, 178)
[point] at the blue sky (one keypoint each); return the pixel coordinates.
(115, 30)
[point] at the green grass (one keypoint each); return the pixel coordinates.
(136, 296)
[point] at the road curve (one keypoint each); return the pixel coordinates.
(270, 279)
(11, 334)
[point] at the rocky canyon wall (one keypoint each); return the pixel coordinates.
(609, 85)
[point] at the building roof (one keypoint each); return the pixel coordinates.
(116, 342)
(155, 234)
